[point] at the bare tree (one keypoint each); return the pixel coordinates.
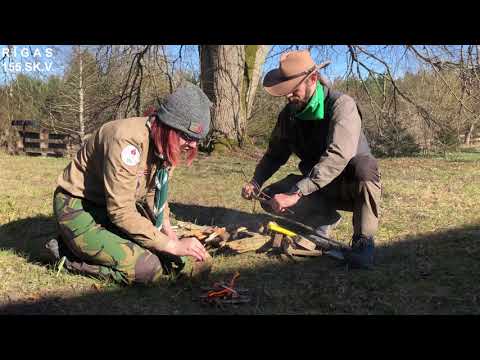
(254, 59)
(140, 76)
(78, 97)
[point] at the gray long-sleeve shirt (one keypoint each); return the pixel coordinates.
(324, 147)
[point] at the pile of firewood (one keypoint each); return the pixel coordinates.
(254, 237)
(235, 238)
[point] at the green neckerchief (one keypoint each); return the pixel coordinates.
(160, 199)
(314, 109)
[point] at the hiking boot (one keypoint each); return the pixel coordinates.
(362, 252)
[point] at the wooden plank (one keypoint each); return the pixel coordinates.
(277, 240)
(289, 250)
(304, 243)
(22, 123)
(45, 151)
(299, 252)
(32, 149)
(29, 129)
(45, 147)
(56, 136)
(56, 145)
(252, 243)
(29, 134)
(190, 226)
(56, 141)
(31, 140)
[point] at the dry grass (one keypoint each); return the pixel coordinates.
(428, 246)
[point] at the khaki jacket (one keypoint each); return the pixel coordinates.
(116, 168)
(324, 147)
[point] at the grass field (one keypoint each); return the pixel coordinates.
(428, 258)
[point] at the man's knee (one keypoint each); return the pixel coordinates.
(147, 268)
(363, 168)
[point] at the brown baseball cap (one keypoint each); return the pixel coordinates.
(295, 67)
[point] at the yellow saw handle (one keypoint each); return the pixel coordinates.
(275, 227)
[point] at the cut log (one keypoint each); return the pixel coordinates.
(190, 226)
(199, 234)
(304, 243)
(240, 233)
(286, 244)
(225, 236)
(277, 240)
(252, 243)
(288, 248)
(298, 252)
(214, 234)
(216, 239)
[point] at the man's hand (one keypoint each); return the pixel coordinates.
(249, 190)
(280, 202)
(187, 247)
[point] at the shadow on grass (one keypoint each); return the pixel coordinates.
(208, 215)
(220, 216)
(29, 236)
(433, 273)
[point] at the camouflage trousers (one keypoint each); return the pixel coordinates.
(357, 189)
(97, 247)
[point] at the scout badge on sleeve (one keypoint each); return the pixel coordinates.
(130, 155)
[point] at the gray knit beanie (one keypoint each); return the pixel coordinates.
(187, 110)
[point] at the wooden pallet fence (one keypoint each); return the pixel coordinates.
(34, 140)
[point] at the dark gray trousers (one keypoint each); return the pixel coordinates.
(357, 189)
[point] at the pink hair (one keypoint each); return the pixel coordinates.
(167, 143)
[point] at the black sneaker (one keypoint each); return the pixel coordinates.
(362, 252)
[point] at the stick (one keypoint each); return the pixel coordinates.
(260, 192)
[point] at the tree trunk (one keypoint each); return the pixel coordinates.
(229, 76)
(468, 135)
(222, 81)
(254, 59)
(81, 92)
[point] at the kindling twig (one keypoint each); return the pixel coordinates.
(261, 195)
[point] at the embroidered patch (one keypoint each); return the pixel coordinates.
(196, 127)
(130, 155)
